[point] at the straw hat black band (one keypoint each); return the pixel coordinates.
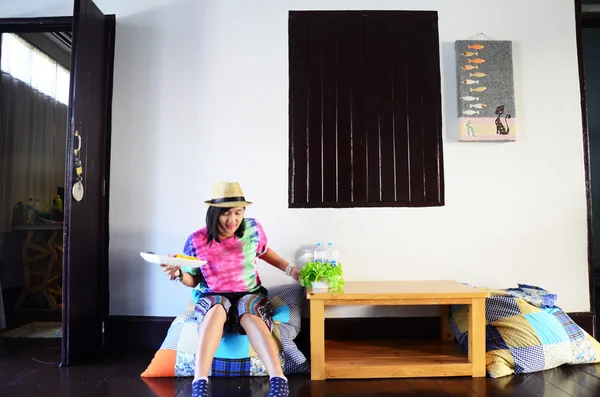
(227, 195)
(227, 200)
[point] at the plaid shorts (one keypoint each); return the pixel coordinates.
(237, 304)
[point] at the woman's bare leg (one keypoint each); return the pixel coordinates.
(263, 343)
(210, 334)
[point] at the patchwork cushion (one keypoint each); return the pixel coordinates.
(526, 332)
(234, 356)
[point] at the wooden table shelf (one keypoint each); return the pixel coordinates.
(394, 359)
(399, 358)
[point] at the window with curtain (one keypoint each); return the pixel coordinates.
(25, 62)
(34, 96)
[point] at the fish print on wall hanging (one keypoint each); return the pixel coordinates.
(486, 102)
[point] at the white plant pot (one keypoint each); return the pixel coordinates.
(320, 285)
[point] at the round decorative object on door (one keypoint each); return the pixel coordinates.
(78, 191)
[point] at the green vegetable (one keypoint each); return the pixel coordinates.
(315, 271)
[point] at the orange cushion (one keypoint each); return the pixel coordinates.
(162, 365)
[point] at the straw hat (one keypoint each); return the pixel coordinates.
(227, 195)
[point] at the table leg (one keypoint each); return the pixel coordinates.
(446, 333)
(36, 257)
(477, 336)
(317, 340)
(26, 258)
(26, 273)
(49, 272)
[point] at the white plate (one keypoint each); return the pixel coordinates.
(167, 260)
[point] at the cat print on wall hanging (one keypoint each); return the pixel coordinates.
(485, 85)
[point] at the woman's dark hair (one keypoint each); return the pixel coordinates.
(212, 224)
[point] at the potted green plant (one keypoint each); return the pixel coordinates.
(319, 276)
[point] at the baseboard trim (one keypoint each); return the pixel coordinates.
(144, 333)
(136, 332)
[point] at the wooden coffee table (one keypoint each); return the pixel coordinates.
(399, 358)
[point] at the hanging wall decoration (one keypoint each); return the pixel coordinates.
(486, 100)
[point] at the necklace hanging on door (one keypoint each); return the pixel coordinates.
(78, 186)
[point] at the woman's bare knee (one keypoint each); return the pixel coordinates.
(216, 313)
(246, 319)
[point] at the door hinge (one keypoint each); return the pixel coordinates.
(103, 187)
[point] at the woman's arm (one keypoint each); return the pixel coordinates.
(189, 279)
(273, 259)
(186, 278)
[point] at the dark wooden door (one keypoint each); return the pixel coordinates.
(85, 274)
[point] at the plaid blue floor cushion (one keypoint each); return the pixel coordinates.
(235, 356)
(526, 332)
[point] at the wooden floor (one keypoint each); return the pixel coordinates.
(34, 371)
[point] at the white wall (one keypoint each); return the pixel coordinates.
(201, 95)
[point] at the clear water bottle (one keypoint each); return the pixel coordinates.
(30, 212)
(333, 254)
(36, 209)
(320, 254)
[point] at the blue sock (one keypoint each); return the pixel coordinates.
(279, 387)
(200, 388)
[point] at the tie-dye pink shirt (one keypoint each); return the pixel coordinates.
(231, 264)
